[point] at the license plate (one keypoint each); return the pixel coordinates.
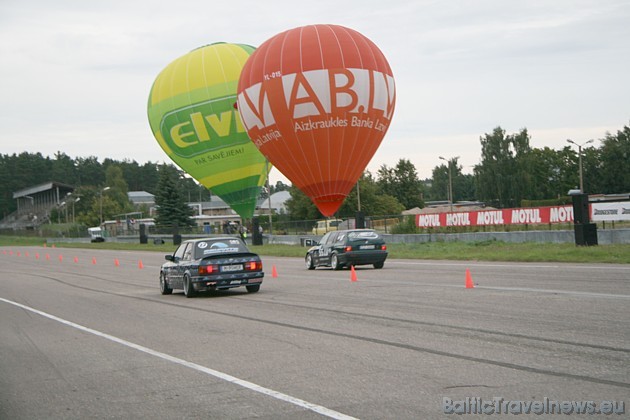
(235, 267)
(366, 247)
(235, 282)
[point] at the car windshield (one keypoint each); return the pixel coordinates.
(363, 234)
(219, 246)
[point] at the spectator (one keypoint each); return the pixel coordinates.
(242, 231)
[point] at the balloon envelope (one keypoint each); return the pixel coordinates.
(193, 117)
(317, 101)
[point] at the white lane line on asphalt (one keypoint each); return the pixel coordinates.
(224, 376)
(557, 292)
(528, 289)
(623, 267)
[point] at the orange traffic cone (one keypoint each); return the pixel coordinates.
(469, 281)
(37, 256)
(274, 272)
(94, 260)
(116, 262)
(140, 265)
(48, 256)
(353, 274)
(76, 259)
(26, 254)
(60, 258)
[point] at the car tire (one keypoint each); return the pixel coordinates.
(309, 262)
(379, 264)
(334, 261)
(253, 288)
(189, 290)
(164, 289)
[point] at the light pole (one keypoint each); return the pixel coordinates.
(63, 205)
(75, 201)
(268, 167)
(101, 214)
(450, 180)
(580, 160)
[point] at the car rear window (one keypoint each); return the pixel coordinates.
(223, 246)
(364, 234)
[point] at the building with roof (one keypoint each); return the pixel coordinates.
(277, 203)
(35, 203)
(139, 198)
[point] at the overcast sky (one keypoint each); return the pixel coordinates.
(75, 75)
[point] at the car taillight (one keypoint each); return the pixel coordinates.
(383, 247)
(348, 248)
(208, 269)
(253, 266)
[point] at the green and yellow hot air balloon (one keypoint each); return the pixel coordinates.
(193, 116)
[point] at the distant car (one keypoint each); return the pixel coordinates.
(202, 265)
(325, 226)
(344, 248)
(96, 234)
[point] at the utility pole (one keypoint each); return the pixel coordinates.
(101, 213)
(450, 180)
(580, 160)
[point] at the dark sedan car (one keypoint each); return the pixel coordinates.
(344, 248)
(202, 265)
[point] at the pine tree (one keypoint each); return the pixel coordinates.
(172, 207)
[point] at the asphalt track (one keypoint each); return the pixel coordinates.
(84, 337)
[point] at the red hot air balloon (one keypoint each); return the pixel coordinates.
(317, 101)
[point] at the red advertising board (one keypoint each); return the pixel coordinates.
(519, 216)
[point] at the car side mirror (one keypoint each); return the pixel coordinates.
(169, 257)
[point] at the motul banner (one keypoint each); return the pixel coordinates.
(522, 216)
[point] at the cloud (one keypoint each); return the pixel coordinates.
(75, 75)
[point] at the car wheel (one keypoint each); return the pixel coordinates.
(309, 262)
(164, 285)
(334, 262)
(189, 291)
(379, 265)
(253, 288)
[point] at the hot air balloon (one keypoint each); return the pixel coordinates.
(193, 116)
(317, 101)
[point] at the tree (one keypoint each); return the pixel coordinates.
(63, 169)
(173, 209)
(402, 183)
(300, 207)
(546, 169)
(86, 212)
(464, 187)
(90, 171)
(148, 177)
(373, 201)
(441, 186)
(279, 186)
(615, 161)
(118, 188)
(503, 177)
(109, 200)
